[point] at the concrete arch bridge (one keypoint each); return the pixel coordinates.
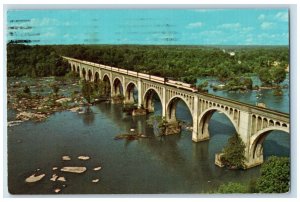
(253, 123)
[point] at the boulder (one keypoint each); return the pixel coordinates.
(84, 158)
(73, 169)
(76, 109)
(54, 177)
(66, 158)
(25, 116)
(95, 180)
(97, 168)
(34, 178)
(64, 99)
(13, 123)
(61, 179)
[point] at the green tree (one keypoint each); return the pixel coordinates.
(233, 152)
(87, 91)
(264, 76)
(275, 176)
(278, 74)
(231, 188)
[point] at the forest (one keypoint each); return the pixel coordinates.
(185, 63)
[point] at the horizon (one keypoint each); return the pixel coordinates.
(195, 27)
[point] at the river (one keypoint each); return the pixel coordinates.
(153, 165)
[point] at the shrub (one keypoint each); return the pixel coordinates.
(231, 188)
(233, 152)
(275, 176)
(26, 89)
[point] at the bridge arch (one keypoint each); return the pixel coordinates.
(107, 84)
(73, 68)
(78, 70)
(171, 107)
(256, 140)
(148, 103)
(96, 77)
(129, 92)
(90, 75)
(117, 86)
(205, 116)
(83, 73)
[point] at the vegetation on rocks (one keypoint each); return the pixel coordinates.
(233, 152)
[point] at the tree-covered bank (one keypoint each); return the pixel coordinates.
(184, 63)
(34, 61)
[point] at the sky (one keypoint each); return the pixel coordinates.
(150, 26)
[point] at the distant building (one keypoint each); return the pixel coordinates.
(232, 53)
(276, 63)
(287, 69)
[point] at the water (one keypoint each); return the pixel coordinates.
(279, 103)
(173, 164)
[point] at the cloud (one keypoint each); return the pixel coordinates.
(282, 16)
(230, 26)
(210, 32)
(267, 25)
(49, 34)
(195, 25)
(246, 29)
(261, 17)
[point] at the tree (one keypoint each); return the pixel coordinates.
(264, 76)
(278, 74)
(275, 176)
(233, 152)
(231, 188)
(87, 91)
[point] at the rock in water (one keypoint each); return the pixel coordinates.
(97, 168)
(34, 178)
(13, 123)
(54, 177)
(73, 169)
(95, 180)
(66, 158)
(76, 109)
(62, 100)
(57, 190)
(83, 158)
(54, 168)
(62, 179)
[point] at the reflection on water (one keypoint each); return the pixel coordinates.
(172, 164)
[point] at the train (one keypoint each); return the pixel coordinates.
(162, 80)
